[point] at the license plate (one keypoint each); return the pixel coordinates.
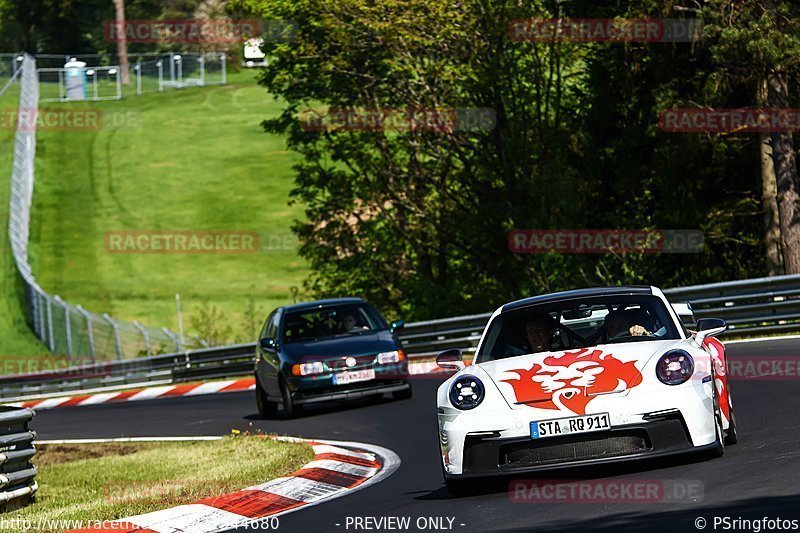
(353, 377)
(570, 426)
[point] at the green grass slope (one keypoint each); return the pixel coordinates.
(194, 159)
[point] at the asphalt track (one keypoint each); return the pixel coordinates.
(759, 477)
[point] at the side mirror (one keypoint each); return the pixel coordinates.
(397, 324)
(709, 327)
(268, 344)
(452, 358)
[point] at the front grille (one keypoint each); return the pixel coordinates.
(562, 450)
(361, 362)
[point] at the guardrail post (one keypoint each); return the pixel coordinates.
(174, 338)
(145, 335)
(138, 69)
(115, 328)
(160, 67)
(89, 329)
(202, 61)
(50, 323)
(40, 307)
(222, 60)
(67, 330)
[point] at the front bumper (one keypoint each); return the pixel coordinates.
(349, 392)
(489, 455)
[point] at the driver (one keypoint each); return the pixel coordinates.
(626, 323)
(539, 331)
(350, 322)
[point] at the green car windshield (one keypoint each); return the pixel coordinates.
(333, 321)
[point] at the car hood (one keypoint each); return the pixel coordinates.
(355, 345)
(571, 378)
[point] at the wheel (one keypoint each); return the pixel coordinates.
(461, 487)
(290, 409)
(404, 394)
(266, 408)
(731, 436)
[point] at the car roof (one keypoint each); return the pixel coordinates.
(322, 303)
(579, 293)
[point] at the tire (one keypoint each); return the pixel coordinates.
(290, 409)
(266, 408)
(731, 436)
(461, 487)
(405, 394)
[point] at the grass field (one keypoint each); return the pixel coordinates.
(116, 480)
(195, 159)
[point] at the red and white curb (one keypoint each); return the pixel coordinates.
(146, 393)
(339, 468)
(175, 391)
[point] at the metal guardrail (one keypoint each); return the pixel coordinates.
(750, 306)
(17, 484)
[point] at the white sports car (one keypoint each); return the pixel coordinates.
(580, 378)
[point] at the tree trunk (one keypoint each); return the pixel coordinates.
(772, 227)
(786, 177)
(122, 42)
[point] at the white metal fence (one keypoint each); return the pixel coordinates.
(176, 71)
(64, 328)
(101, 78)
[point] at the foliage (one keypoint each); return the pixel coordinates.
(418, 221)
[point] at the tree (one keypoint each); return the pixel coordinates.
(418, 221)
(122, 41)
(756, 44)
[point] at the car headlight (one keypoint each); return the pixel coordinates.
(675, 367)
(307, 369)
(395, 356)
(466, 393)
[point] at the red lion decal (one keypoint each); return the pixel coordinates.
(572, 380)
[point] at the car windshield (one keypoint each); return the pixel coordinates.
(577, 323)
(331, 321)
